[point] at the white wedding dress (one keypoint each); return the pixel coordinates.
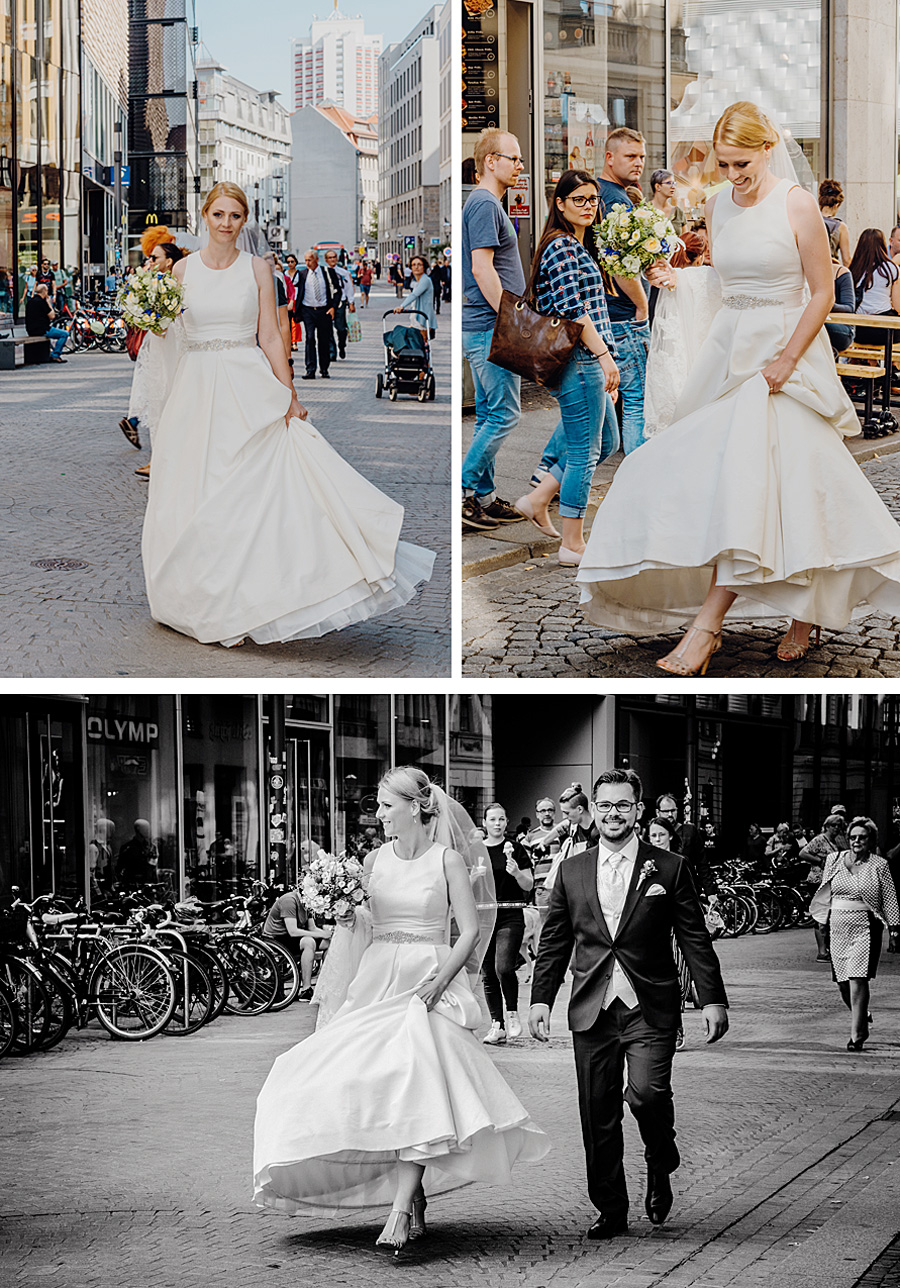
(758, 486)
(387, 1079)
(256, 529)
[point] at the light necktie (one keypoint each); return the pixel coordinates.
(616, 881)
(317, 287)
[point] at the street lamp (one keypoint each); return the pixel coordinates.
(256, 202)
(117, 182)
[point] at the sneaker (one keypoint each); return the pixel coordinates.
(513, 1024)
(679, 1039)
(475, 518)
(495, 1036)
(503, 512)
(305, 995)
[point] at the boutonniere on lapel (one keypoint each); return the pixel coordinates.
(647, 871)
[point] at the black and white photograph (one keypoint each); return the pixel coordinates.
(419, 961)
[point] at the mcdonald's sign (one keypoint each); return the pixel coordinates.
(151, 219)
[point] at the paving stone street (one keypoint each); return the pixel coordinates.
(130, 1163)
(68, 491)
(521, 614)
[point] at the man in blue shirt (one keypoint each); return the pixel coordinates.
(628, 307)
(490, 265)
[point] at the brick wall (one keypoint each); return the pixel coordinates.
(104, 29)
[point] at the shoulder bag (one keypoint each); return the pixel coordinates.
(534, 345)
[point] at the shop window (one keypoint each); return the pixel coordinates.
(362, 756)
(471, 779)
(220, 745)
(420, 733)
(15, 832)
(132, 798)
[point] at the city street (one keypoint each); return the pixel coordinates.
(130, 1164)
(521, 614)
(69, 493)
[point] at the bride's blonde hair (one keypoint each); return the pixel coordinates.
(744, 125)
(227, 189)
(413, 785)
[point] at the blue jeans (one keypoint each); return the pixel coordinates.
(56, 333)
(632, 340)
(587, 433)
(497, 410)
(555, 455)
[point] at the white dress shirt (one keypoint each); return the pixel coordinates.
(314, 295)
(347, 283)
(611, 891)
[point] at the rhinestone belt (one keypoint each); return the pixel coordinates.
(752, 302)
(220, 344)
(401, 937)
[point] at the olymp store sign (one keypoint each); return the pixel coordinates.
(143, 733)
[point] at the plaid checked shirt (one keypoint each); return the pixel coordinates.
(570, 284)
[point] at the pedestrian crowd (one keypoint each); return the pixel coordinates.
(603, 393)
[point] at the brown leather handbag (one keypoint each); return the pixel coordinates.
(534, 345)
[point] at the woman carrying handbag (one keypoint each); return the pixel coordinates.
(568, 283)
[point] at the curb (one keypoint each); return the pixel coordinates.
(512, 552)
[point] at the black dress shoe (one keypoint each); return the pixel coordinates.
(659, 1199)
(325, 375)
(308, 376)
(607, 1227)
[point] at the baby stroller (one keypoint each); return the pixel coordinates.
(407, 358)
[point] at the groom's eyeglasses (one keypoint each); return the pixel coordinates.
(621, 807)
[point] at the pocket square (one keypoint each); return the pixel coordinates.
(655, 889)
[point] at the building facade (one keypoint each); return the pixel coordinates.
(560, 74)
(337, 61)
(245, 138)
(104, 84)
(447, 34)
(163, 138)
(40, 140)
(334, 184)
(409, 168)
(235, 787)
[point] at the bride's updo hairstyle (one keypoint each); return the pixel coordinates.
(227, 189)
(744, 125)
(413, 785)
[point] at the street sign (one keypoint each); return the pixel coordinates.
(126, 174)
(435, 241)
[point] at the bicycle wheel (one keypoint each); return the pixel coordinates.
(194, 1001)
(8, 1021)
(218, 976)
(288, 977)
(252, 975)
(31, 1002)
(61, 1002)
(769, 912)
(133, 992)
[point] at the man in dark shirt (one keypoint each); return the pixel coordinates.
(290, 925)
(39, 313)
(628, 305)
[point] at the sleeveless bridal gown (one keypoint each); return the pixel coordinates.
(254, 529)
(387, 1079)
(759, 486)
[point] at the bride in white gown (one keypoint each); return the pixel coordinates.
(395, 1099)
(749, 502)
(255, 528)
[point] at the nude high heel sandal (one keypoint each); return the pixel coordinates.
(791, 650)
(395, 1234)
(674, 664)
(417, 1228)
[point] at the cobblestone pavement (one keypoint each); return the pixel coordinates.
(67, 490)
(525, 620)
(130, 1164)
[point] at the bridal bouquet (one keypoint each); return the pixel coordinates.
(332, 885)
(629, 241)
(151, 301)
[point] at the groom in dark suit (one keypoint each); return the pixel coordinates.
(617, 905)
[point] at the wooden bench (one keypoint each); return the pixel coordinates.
(35, 349)
(869, 375)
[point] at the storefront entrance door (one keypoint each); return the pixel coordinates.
(308, 825)
(56, 789)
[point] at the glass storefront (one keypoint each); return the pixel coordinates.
(132, 793)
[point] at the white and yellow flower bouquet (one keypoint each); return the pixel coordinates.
(629, 241)
(151, 301)
(332, 886)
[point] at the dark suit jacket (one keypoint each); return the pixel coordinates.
(642, 944)
(334, 288)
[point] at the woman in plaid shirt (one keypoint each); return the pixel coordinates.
(568, 282)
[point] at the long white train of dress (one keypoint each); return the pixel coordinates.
(758, 486)
(256, 529)
(386, 1079)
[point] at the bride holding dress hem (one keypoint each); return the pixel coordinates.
(759, 510)
(395, 1100)
(255, 527)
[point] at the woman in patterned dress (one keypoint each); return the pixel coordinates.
(863, 900)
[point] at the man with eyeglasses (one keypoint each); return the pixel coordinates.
(617, 905)
(490, 265)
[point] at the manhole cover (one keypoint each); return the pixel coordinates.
(59, 565)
